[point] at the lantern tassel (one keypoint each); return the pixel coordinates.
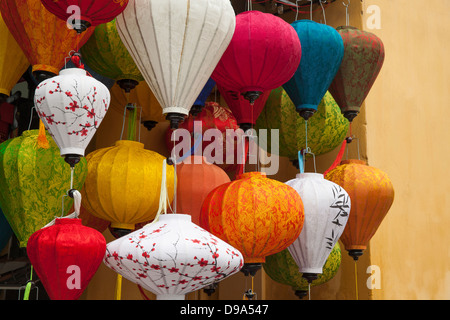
(356, 281)
(42, 138)
(118, 293)
(338, 158)
(26, 295)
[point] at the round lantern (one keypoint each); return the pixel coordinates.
(282, 268)
(263, 54)
(176, 44)
(196, 178)
(13, 62)
(90, 12)
(362, 62)
(72, 106)
(322, 52)
(245, 113)
(326, 130)
(105, 53)
(172, 257)
(143, 98)
(213, 116)
(38, 32)
(33, 180)
(371, 193)
(327, 207)
(65, 257)
(257, 215)
(123, 184)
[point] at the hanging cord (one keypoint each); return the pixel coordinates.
(250, 293)
(296, 15)
(26, 295)
(311, 10)
(323, 11)
(356, 280)
(309, 291)
(302, 154)
(118, 292)
(347, 16)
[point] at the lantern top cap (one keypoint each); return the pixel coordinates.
(59, 221)
(309, 175)
(346, 27)
(175, 216)
(130, 144)
(354, 161)
(254, 174)
(73, 71)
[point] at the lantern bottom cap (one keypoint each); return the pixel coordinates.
(72, 151)
(120, 225)
(310, 270)
(170, 297)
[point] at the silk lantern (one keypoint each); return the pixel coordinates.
(176, 44)
(199, 104)
(215, 150)
(65, 257)
(257, 215)
(263, 54)
(45, 39)
(196, 178)
(282, 268)
(143, 98)
(371, 193)
(106, 54)
(326, 130)
(246, 114)
(172, 257)
(33, 180)
(322, 52)
(327, 207)
(13, 62)
(72, 106)
(362, 62)
(82, 14)
(123, 184)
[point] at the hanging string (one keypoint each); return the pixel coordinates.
(118, 292)
(309, 291)
(323, 11)
(296, 15)
(26, 295)
(311, 10)
(356, 280)
(347, 16)
(174, 176)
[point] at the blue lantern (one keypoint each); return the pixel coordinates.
(322, 53)
(198, 105)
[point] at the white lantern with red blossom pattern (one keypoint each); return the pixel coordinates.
(172, 257)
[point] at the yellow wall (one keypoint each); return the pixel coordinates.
(403, 130)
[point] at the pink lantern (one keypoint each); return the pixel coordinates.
(263, 54)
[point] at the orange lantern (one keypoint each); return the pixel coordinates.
(256, 215)
(43, 37)
(196, 178)
(371, 194)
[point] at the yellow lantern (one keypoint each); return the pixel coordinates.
(123, 184)
(13, 62)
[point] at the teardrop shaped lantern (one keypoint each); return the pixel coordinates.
(326, 130)
(362, 62)
(246, 114)
(213, 116)
(33, 180)
(44, 38)
(82, 14)
(65, 257)
(176, 44)
(196, 178)
(123, 184)
(371, 193)
(322, 52)
(327, 207)
(264, 53)
(106, 54)
(13, 62)
(282, 268)
(172, 257)
(257, 215)
(72, 106)
(199, 104)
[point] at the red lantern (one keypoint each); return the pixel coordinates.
(263, 54)
(92, 12)
(245, 113)
(65, 257)
(195, 179)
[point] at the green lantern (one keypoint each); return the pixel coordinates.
(281, 268)
(327, 128)
(105, 53)
(33, 180)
